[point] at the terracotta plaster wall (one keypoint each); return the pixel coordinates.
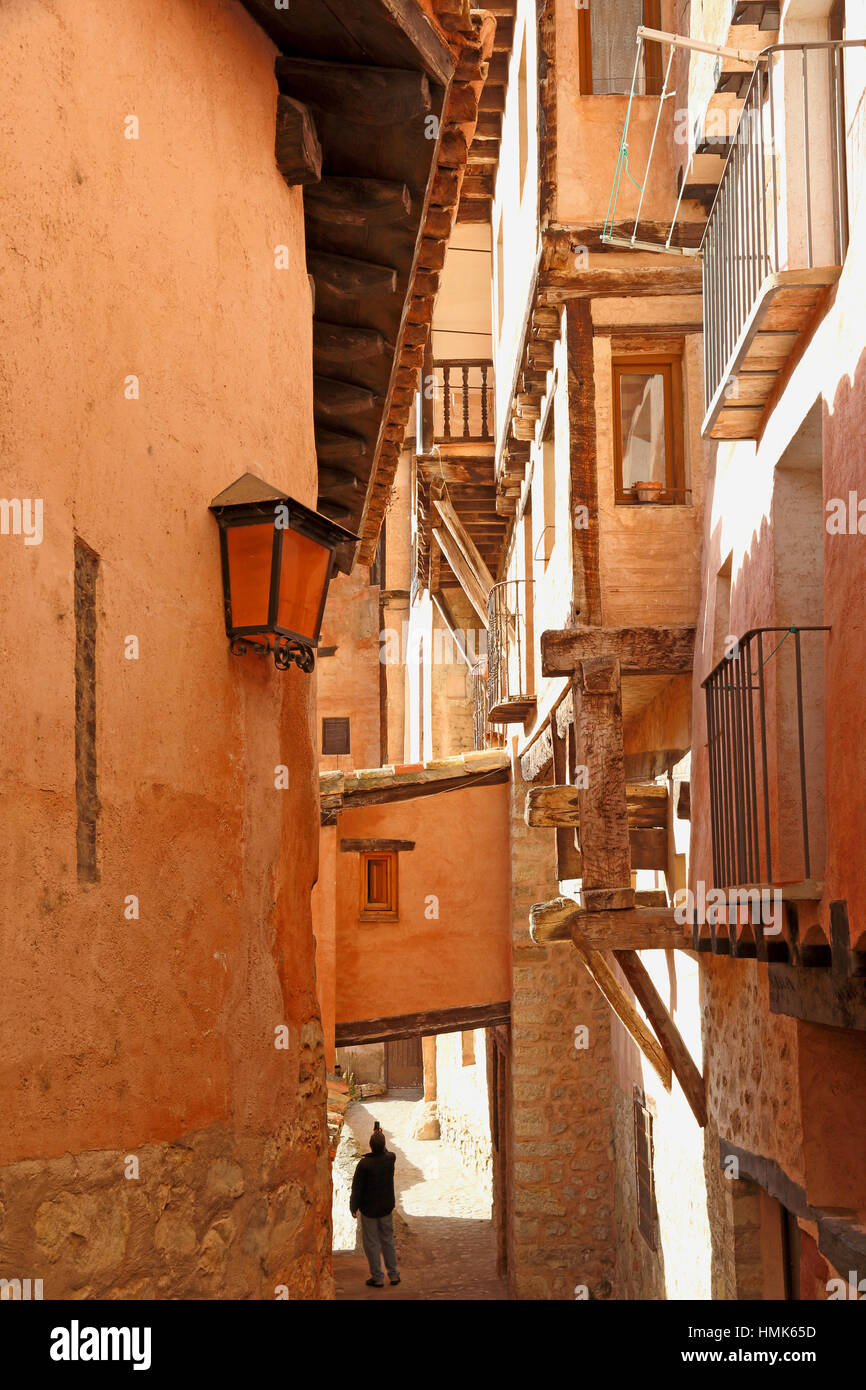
(423, 962)
(153, 1036)
(348, 681)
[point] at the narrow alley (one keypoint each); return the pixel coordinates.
(446, 1241)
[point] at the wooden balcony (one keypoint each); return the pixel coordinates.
(777, 232)
(509, 636)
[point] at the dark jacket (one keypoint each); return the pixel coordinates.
(373, 1185)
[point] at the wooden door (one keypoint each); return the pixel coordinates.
(404, 1065)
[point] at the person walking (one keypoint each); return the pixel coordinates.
(373, 1196)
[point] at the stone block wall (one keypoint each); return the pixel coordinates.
(560, 1234)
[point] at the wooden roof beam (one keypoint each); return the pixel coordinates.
(364, 95)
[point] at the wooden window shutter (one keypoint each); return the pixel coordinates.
(336, 737)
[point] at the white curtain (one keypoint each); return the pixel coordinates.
(613, 26)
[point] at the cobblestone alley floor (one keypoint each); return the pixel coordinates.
(446, 1244)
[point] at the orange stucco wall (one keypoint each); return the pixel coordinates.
(154, 257)
(461, 858)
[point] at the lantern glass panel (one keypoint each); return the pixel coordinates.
(303, 576)
(250, 552)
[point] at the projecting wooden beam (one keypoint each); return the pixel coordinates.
(297, 148)
(625, 1010)
(669, 1036)
(641, 651)
(374, 1030)
(463, 572)
(628, 929)
(339, 478)
(351, 202)
(341, 397)
(375, 846)
(465, 542)
(331, 444)
(349, 278)
(365, 96)
(335, 343)
(555, 807)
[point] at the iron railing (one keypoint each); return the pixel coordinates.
(765, 745)
(486, 735)
(769, 215)
(463, 401)
(508, 644)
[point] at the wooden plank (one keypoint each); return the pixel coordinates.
(363, 95)
(649, 849)
(297, 148)
(768, 350)
(375, 846)
(737, 424)
(391, 1029)
(667, 1032)
(641, 651)
(553, 807)
(752, 388)
(603, 814)
(331, 444)
(463, 572)
(625, 1010)
(634, 929)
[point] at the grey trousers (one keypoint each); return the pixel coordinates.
(377, 1234)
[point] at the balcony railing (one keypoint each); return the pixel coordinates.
(777, 232)
(509, 652)
(765, 736)
(486, 734)
(463, 402)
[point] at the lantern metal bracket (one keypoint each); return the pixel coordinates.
(284, 652)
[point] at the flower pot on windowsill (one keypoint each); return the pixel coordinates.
(647, 492)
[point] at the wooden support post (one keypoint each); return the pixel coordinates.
(669, 1035)
(569, 863)
(624, 1009)
(602, 808)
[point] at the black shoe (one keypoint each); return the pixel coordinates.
(396, 1281)
(374, 1284)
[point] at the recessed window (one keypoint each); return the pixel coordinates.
(336, 738)
(379, 887)
(606, 47)
(647, 429)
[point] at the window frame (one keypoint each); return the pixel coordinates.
(669, 366)
(388, 909)
(652, 68)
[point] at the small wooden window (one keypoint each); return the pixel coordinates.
(379, 887)
(467, 1048)
(648, 428)
(643, 1158)
(336, 737)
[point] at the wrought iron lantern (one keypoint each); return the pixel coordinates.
(277, 561)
